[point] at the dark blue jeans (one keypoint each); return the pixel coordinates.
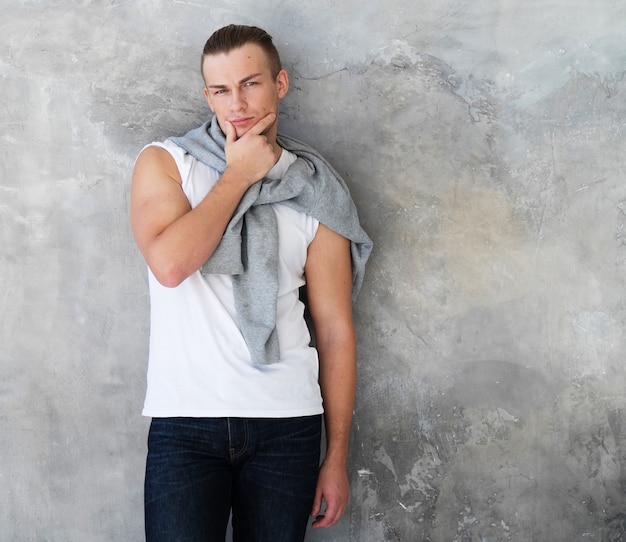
(199, 469)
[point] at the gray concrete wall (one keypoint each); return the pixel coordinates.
(484, 144)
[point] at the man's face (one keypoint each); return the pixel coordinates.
(240, 88)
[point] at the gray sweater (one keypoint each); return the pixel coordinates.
(249, 247)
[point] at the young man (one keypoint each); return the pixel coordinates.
(232, 220)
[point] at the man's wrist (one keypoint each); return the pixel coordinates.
(337, 455)
(236, 178)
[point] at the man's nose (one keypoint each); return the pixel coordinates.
(238, 100)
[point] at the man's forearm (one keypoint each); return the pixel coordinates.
(338, 384)
(188, 243)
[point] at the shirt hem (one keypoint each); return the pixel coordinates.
(151, 413)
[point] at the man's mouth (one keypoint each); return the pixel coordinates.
(241, 122)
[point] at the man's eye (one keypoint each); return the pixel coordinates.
(220, 91)
(251, 83)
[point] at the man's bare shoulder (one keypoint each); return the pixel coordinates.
(156, 160)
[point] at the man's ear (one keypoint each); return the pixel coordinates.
(207, 97)
(282, 83)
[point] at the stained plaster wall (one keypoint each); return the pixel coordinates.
(484, 144)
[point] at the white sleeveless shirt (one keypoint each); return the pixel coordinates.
(199, 365)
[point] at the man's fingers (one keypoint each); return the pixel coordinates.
(263, 124)
(317, 504)
(331, 515)
(231, 133)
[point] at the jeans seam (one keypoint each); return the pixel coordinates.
(231, 450)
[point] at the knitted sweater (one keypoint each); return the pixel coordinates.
(249, 247)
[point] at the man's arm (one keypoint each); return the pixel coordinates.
(174, 239)
(329, 290)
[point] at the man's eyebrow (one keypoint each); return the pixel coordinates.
(244, 80)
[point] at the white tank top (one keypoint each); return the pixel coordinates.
(199, 365)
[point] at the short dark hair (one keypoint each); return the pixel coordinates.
(235, 36)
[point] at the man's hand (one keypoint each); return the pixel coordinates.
(250, 157)
(334, 489)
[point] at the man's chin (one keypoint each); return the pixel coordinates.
(240, 131)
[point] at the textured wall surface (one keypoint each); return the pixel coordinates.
(484, 144)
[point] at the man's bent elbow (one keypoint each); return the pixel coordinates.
(169, 276)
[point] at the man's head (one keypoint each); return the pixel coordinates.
(243, 78)
(235, 36)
